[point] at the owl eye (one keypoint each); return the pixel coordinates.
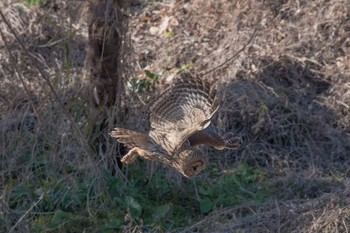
(194, 168)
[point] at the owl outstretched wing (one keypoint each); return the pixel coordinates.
(189, 161)
(180, 119)
(132, 138)
(184, 109)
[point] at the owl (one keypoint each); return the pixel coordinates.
(180, 119)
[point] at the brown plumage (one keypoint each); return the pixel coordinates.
(180, 119)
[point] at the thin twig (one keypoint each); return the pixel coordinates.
(19, 75)
(234, 55)
(195, 188)
(48, 82)
(26, 213)
(238, 52)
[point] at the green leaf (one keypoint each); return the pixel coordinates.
(35, 2)
(169, 34)
(185, 67)
(68, 58)
(142, 85)
(263, 107)
(206, 205)
(203, 190)
(21, 190)
(59, 218)
(161, 211)
(134, 207)
(113, 224)
(152, 75)
(51, 43)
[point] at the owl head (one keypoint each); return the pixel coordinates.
(190, 162)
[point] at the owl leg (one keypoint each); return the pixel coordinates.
(131, 156)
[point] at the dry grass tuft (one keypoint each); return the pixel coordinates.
(324, 214)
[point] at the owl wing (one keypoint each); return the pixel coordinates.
(132, 138)
(184, 109)
(215, 137)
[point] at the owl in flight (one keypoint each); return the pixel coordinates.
(180, 120)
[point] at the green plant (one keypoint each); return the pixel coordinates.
(35, 2)
(69, 200)
(242, 184)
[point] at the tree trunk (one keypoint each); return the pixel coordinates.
(106, 32)
(107, 28)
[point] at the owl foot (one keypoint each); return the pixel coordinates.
(131, 156)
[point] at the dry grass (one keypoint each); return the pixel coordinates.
(287, 95)
(325, 214)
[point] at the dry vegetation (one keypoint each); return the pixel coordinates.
(287, 94)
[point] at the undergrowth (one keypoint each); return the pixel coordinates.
(72, 201)
(286, 95)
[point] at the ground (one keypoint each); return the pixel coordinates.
(283, 73)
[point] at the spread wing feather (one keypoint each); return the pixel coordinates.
(182, 110)
(133, 139)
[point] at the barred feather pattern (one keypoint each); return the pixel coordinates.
(180, 120)
(182, 110)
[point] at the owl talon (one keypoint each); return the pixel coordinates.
(130, 157)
